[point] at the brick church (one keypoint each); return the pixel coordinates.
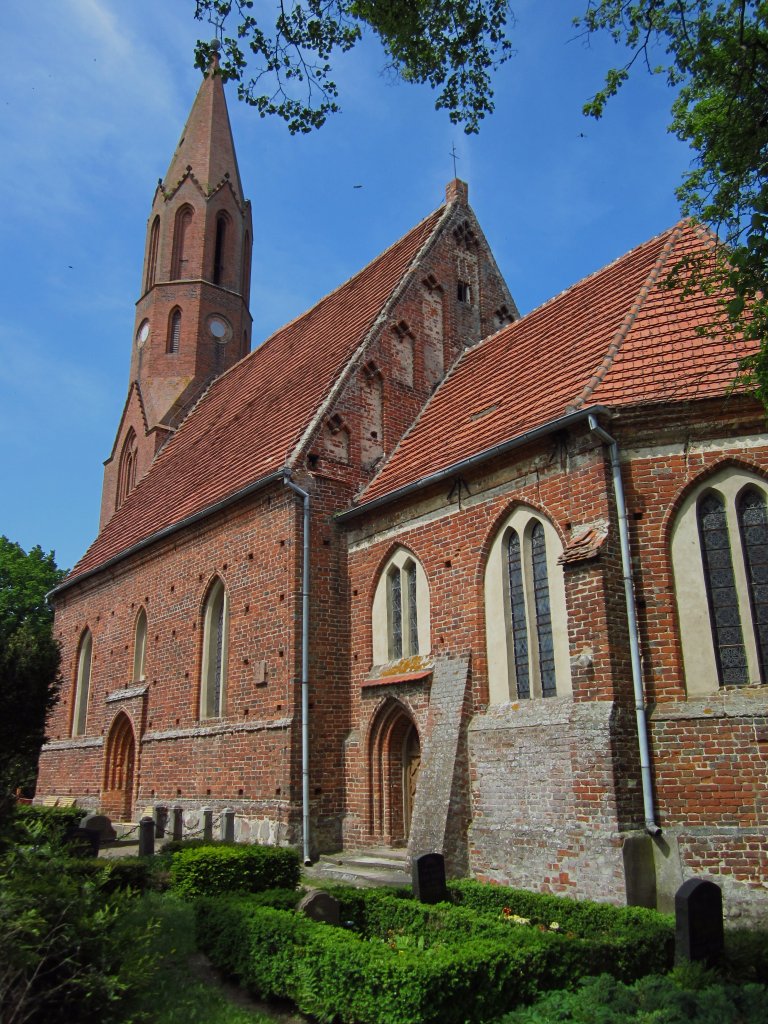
(418, 572)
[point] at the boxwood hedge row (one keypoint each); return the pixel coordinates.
(400, 962)
(214, 870)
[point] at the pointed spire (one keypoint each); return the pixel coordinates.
(206, 146)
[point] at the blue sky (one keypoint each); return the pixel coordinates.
(94, 96)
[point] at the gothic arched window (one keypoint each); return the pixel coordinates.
(220, 249)
(126, 473)
(154, 239)
(139, 646)
(180, 258)
(401, 610)
(215, 642)
(82, 684)
(526, 624)
(174, 331)
(719, 554)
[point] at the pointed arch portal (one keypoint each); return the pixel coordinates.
(394, 759)
(119, 770)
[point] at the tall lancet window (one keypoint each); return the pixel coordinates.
(174, 331)
(126, 473)
(179, 268)
(215, 641)
(154, 241)
(139, 646)
(220, 249)
(82, 684)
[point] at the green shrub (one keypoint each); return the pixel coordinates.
(211, 871)
(64, 952)
(35, 823)
(666, 1000)
(407, 963)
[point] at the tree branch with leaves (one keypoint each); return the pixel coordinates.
(283, 64)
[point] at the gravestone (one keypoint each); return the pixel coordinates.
(699, 922)
(320, 906)
(83, 842)
(99, 823)
(428, 877)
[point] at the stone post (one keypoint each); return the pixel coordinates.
(178, 822)
(161, 821)
(207, 824)
(146, 837)
(228, 825)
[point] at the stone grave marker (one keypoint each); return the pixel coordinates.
(83, 842)
(99, 823)
(320, 906)
(428, 877)
(699, 922)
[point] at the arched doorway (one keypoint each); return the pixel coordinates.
(119, 770)
(394, 758)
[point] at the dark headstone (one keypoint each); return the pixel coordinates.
(82, 842)
(99, 823)
(699, 922)
(146, 836)
(320, 906)
(428, 877)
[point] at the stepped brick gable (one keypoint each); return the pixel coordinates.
(421, 575)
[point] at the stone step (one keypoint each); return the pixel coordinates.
(367, 867)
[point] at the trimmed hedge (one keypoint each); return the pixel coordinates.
(215, 870)
(408, 963)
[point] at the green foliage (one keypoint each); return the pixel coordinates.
(285, 68)
(29, 663)
(33, 823)
(214, 870)
(675, 999)
(398, 961)
(66, 953)
(715, 55)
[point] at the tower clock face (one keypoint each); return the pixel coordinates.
(143, 333)
(219, 328)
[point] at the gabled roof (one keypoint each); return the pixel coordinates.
(250, 421)
(619, 337)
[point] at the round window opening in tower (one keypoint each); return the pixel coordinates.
(142, 333)
(220, 329)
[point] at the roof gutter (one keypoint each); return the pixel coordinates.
(153, 538)
(561, 423)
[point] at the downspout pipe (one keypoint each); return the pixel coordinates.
(634, 637)
(304, 495)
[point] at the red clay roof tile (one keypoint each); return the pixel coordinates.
(252, 417)
(620, 336)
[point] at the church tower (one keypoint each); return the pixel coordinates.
(192, 319)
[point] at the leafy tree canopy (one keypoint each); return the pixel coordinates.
(284, 68)
(29, 661)
(715, 55)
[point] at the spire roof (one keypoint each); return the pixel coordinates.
(206, 143)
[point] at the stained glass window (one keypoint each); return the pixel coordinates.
(413, 625)
(721, 591)
(519, 626)
(543, 613)
(395, 615)
(753, 523)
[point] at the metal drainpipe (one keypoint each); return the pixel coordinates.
(634, 642)
(304, 495)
